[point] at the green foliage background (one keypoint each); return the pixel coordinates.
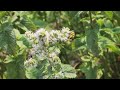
(94, 53)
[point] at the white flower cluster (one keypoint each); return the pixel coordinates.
(43, 45)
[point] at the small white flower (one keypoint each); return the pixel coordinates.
(52, 54)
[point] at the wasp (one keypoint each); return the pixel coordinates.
(71, 35)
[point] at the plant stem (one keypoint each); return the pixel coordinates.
(91, 22)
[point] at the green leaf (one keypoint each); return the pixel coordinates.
(86, 58)
(107, 32)
(78, 42)
(70, 75)
(17, 34)
(28, 23)
(117, 13)
(67, 68)
(117, 16)
(7, 38)
(25, 41)
(69, 71)
(9, 59)
(108, 24)
(116, 30)
(40, 23)
(15, 69)
(92, 41)
(109, 14)
(113, 48)
(104, 43)
(2, 14)
(100, 22)
(21, 45)
(90, 72)
(99, 74)
(32, 73)
(22, 29)
(57, 67)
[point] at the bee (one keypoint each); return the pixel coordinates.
(71, 35)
